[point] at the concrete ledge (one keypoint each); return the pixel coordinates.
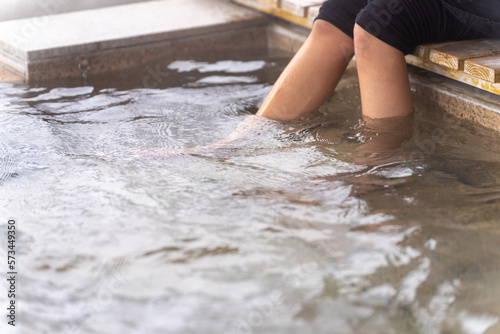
(456, 98)
(68, 45)
(286, 37)
(116, 39)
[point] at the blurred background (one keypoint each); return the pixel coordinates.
(18, 9)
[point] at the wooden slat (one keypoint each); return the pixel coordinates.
(273, 3)
(423, 50)
(275, 8)
(298, 7)
(454, 74)
(453, 55)
(487, 68)
(8, 76)
(314, 7)
(312, 13)
(262, 5)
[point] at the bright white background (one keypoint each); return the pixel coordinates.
(16, 9)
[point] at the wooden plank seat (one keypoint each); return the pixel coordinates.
(474, 62)
(301, 12)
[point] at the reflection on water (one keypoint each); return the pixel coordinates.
(328, 225)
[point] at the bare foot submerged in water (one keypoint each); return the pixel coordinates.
(241, 137)
(216, 150)
(381, 139)
(312, 76)
(378, 140)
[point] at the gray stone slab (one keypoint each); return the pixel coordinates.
(20, 9)
(456, 98)
(64, 36)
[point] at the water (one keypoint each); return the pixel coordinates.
(326, 225)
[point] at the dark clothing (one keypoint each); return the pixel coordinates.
(404, 24)
(481, 15)
(482, 8)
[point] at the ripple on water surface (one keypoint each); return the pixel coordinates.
(312, 226)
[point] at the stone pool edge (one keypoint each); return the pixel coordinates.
(237, 27)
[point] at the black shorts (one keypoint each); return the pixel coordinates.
(402, 24)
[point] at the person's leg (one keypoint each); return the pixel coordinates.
(385, 31)
(311, 76)
(383, 77)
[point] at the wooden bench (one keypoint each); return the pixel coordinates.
(302, 12)
(475, 62)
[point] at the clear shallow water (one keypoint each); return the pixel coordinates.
(319, 226)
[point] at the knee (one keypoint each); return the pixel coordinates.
(322, 27)
(363, 41)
